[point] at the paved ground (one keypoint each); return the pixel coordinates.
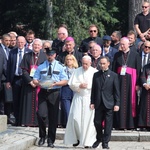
(26, 138)
(113, 146)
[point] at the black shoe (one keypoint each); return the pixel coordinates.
(87, 146)
(95, 144)
(76, 144)
(10, 121)
(105, 147)
(50, 145)
(41, 141)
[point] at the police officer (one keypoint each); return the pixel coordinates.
(50, 75)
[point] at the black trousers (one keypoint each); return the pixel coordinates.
(17, 87)
(48, 106)
(5, 108)
(106, 115)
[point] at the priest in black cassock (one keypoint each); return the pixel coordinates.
(29, 99)
(127, 64)
(144, 115)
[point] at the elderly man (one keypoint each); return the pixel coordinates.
(93, 36)
(29, 100)
(96, 54)
(50, 76)
(70, 48)
(14, 74)
(142, 22)
(145, 54)
(58, 43)
(127, 65)
(80, 127)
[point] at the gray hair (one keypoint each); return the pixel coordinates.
(40, 41)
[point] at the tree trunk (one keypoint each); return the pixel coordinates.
(134, 9)
(49, 20)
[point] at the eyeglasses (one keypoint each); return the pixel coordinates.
(93, 31)
(147, 47)
(69, 59)
(144, 6)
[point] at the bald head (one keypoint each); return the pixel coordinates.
(62, 33)
(21, 41)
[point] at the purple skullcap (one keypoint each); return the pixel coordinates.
(69, 38)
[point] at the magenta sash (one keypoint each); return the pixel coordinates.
(132, 72)
(37, 92)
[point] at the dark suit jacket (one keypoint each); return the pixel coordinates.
(4, 63)
(108, 92)
(148, 60)
(11, 64)
(85, 42)
(111, 53)
(78, 55)
(1, 67)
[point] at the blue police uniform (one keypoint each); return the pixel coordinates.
(48, 99)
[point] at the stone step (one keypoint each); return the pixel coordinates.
(3, 123)
(22, 138)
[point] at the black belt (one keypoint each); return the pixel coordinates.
(50, 90)
(18, 76)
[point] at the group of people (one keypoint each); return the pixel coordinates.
(101, 84)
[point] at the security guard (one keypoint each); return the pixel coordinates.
(50, 76)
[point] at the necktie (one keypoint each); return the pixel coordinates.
(50, 70)
(7, 52)
(20, 59)
(144, 60)
(28, 46)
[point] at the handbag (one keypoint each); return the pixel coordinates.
(8, 94)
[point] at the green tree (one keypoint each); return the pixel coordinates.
(78, 15)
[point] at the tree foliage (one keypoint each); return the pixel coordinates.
(76, 14)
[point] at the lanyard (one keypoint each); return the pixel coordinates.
(125, 62)
(34, 63)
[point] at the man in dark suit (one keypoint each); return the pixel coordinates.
(59, 42)
(108, 50)
(105, 98)
(70, 48)
(5, 108)
(145, 54)
(14, 73)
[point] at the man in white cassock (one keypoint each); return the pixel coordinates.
(80, 128)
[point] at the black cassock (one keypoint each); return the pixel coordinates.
(144, 115)
(126, 117)
(29, 99)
